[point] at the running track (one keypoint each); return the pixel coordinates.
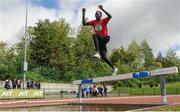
(172, 99)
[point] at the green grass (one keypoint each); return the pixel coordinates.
(171, 88)
(167, 108)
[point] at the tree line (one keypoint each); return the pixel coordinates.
(55, 53)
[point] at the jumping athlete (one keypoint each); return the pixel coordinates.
(101, 37)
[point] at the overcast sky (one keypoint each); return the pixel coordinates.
(157, 21)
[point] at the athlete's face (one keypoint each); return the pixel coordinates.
(98, 15)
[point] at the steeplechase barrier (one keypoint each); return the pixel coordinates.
(158, 72)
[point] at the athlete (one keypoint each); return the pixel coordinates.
(101, 36)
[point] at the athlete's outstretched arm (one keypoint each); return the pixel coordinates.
(83, 17)
(108, 15)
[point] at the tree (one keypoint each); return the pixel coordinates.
(51, 48)
(40, 45)
(134, 48)
(121, 56)
(83, 45)
(7, 61)
(160, 59)
(171, 59)
(149, 60)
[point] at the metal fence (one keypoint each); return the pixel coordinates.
(119, 92)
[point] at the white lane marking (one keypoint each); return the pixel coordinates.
(12, 102)
(41, 101)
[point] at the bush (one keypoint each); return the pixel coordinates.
(35, 76)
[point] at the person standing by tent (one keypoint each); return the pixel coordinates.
(101, 36)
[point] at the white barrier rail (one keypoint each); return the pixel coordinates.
(163, 71)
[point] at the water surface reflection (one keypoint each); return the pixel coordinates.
(86, 107)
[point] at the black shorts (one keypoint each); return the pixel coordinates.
(103, 40)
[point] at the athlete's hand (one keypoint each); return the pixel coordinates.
(83, 10)
(100, 7)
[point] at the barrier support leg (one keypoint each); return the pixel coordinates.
(80, 93)
(163, 89)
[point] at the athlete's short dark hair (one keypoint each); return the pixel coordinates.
(99, 12)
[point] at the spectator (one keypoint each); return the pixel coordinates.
(86, 91)
(6, 85)
(14, 83)
(38, 85)
(100, 89)
(105, 90)
(29, 83)
(33, 84)
(90, 90)
(94, 91)
(19, 84)
(10, 83)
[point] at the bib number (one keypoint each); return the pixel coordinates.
(98, 27)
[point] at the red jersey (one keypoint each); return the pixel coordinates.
(100, 27)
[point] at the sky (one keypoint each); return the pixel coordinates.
(157, 21)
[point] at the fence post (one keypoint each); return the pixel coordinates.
(143, 91)
(43, 92)
(176, 90)
(61, 92)
(119, 92)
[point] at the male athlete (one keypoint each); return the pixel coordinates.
(101, 36)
